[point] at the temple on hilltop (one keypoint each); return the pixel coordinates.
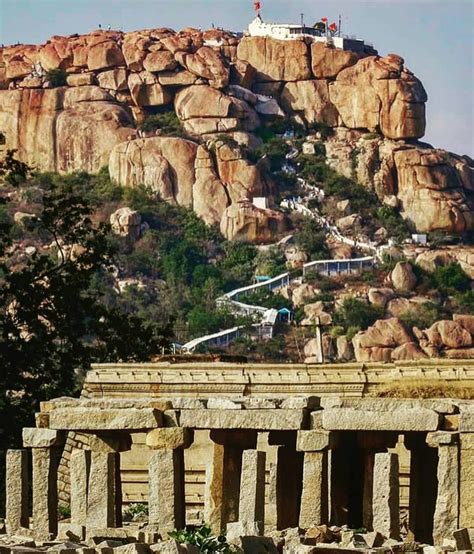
(322, 31)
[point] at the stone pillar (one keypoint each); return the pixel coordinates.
(45, 493)
(314, 496)
(386, 495)
(289, 478)
(45, 445)
(446, 514)
(79, 467)
(371, 442)
(466, 485)
(252, 488)
(102, 494)
(222, 489)
(423, 488)
(166, 504)
(16, 490)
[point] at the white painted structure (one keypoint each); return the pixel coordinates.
(260, 202)
(286, 31)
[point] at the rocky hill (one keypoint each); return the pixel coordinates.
(79, 103)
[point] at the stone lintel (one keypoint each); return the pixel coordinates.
(263, 420)
(96, 419)
(109, 443)
(170, 437)
(409, 419)
(442, 438)
(42, 438)
(300, 402)
(238, 438)
(315, 440)
(106, 404)
(442, 406)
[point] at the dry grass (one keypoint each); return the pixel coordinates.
(422, 389)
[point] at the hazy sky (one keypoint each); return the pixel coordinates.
(434, 36)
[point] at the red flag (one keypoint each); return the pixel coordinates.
(258, 6)
(324, 19)
(333, 27)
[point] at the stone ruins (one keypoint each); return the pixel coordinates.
(334, 460)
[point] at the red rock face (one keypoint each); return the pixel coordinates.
(115, 79)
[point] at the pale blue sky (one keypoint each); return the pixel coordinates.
(434, 36)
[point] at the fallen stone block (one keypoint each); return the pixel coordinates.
(133, 548)
(265, 420)
(410, 419)
(91, 419)
(71, 532)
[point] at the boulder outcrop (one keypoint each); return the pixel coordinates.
(244, 221)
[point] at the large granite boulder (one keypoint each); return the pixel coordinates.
(436, 190)
(276, 60)
(379, 93)
(165, 165)
(63, 129)
(244, 221)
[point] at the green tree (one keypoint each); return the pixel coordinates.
(356, 314)
(52, 320)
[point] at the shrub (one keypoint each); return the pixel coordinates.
(203, 539)
(465, 302)
(319, 127)
(64, 511)
(312, 239)
(264, 297)
(356, 314)
(57, 77)
(167, 122)
(450, 278)
(136, 511)
(393, 222)
(423, 317)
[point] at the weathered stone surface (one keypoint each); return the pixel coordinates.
(378, 342)
(164, 165)
(386, 495)
(313, 440)
(125, 222)
(243, 419)
(244, 221)
(310, 99)
(252, 487)
(445, 520)
(171, 438)
(327, 62)
(431, 191)
(403, 278)
(276, 60)
(166, 478)
(104, 54)
(69, 129)
(378, 92)
(313, 509)
(206, 63)
(101, 490)
(466, 480)
(464, 539)
(17, 481)
(80, 79)
(88, 419)
(162, 60)
(45, 495)
(450, 334)
(114, 79)
(79, 466)
(409, 419)
(147, 91)
(408, 351)
(466, 321)
(41, 438)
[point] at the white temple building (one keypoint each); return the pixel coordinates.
(285, 31)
